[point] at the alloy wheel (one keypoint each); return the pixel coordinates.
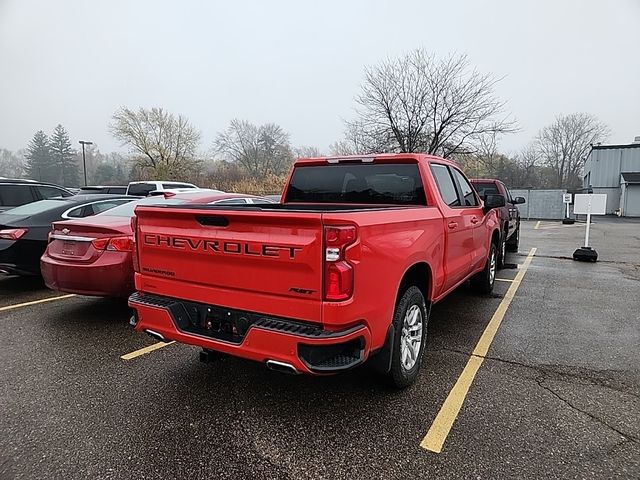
(411, 337)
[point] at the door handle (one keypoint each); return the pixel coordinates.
(452, 225)
(474, 220)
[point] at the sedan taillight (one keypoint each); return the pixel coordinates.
(114, 244)
(13, 233)
(121, 244)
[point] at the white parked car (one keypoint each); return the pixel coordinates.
(144, 188)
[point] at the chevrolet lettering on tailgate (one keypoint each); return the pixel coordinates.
(221, 246)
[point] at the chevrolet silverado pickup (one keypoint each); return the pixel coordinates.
(343, 270)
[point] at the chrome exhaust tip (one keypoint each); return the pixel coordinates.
(281, 367)
(157, 336)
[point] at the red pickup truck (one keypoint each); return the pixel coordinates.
(344, 269)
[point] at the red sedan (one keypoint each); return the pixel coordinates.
(93, 256)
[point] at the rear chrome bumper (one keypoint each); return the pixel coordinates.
(307, 347)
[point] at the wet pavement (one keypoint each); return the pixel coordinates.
(557, 396)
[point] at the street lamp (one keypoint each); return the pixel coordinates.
(84, 161)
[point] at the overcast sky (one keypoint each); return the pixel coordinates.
(300, 63)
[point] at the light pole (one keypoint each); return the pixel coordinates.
(84, 161)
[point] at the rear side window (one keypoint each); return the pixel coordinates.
(468, 194)
(364, 183)
(141, 189)
(94, 208)
(80, 212)
(486, 188)
(15, 195)
(51, 192)
(445, 183)
(104, 206)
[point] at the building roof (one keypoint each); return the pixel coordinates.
(611, 147)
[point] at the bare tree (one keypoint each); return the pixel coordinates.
(564, 145)
(359, 139)
(420, 103)
(261, 150)
(163, 144)
(12, 164)
(528, 172)
(307, 151)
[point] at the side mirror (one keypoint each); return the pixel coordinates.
(518, 200)
(493, 201)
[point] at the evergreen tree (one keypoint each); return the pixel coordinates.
(39, 163)
(63, 158)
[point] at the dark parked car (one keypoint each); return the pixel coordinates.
(24, 230)
(111, 189)
(16, 192)
(509, 214)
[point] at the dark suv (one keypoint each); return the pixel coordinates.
(16, 192)
(509, 214)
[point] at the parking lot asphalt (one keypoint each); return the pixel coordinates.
(556, 396)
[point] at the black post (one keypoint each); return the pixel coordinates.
(84, 161)
(84, 165)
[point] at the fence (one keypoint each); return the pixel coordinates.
(541, 204)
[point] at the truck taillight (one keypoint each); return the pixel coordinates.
(338, 273)
(134, 250)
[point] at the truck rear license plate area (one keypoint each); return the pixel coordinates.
(221, 323)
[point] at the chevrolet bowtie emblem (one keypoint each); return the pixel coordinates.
(66, 231)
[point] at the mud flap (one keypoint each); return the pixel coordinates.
(381, 360)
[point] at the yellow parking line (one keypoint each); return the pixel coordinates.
(441, 426)
(537, 226)
(35, 302)
(553, 227)
(145, 350)
(504, 280)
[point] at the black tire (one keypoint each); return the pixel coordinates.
(483, 281)
(399, 376)
(502, 251)
(514, 242)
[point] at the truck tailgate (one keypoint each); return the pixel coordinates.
(232, 257)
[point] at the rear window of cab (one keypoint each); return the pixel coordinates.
(361, 183)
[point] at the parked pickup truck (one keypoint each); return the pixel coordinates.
(509, 215)
(344, 269)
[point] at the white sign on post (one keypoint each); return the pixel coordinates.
(589, 204)
(566, 198)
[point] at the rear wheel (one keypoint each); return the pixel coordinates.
(410, 322)
(483, 281)
(514, 242)
(503, 251)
